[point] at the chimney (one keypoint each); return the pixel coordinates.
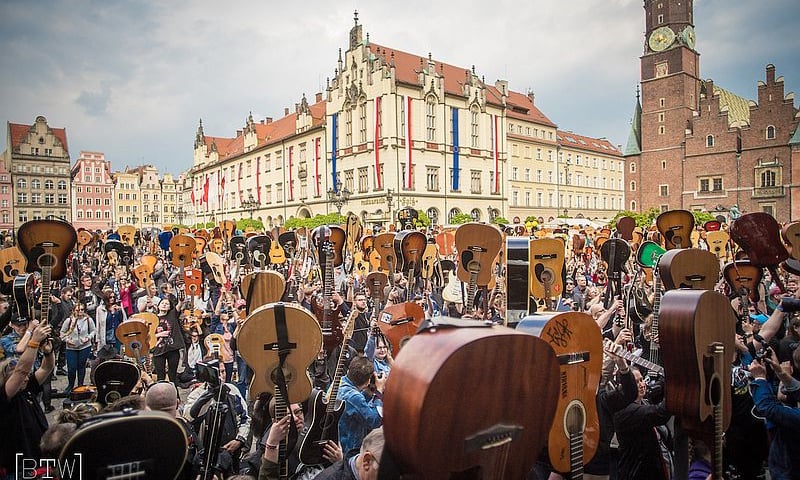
(238, 133)
(770, 74)
(532, 96)
(268, 120)
(502, 85)
(318, 97)
(286, 111)
(261, 122)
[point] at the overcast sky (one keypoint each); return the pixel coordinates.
(132, 78)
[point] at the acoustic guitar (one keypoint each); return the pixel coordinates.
(409, 245)
(228, 228)
(743, 278)
(399, 322)
(717, 241)
(46, 245)
(697, 335)
(126, 234)
(135, 336)
(334, 235)
(151, 320)
(488, 437)
(791, 235)
(217, 267)
(446, 240)
(648, 254)
(280, 333)
(383, 244)
(85, 239)
(375, 285)
(578, 344)
(759, 235)
(12, 263)
(215, 346)
(182, 248)
(258, 246)
(324, 307)
(23, 287)
(193, 281)
(262, 287)
(546, 267)
(625, 227)
(689, 268)
(325, 410)
(200, 244)
(676, 227)
(477, 246)
(277, 255)
(619, 351)
(115, 379)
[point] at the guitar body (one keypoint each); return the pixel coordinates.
(648, 254)
(277, 255)
(504, 366)
(546, 267)
(399, 322)
(409, 245)
(126, 234)
(692, 321)
(12, 263)
(625, 227)
(337, 239)
(193, 281)
(217, 267)
(85, 238)
(199, 246)
(143, 274)
(689, 268)
(791, 235)
(24, 285)
(215, 346)
(446, 240)
(517, 277)
(258, 246)
(151, 321)
(375, 285)
(47, 244)
(267, 287)
(115, 379)
(257, 340)
(759, 234)
(182, 247)
(791, 265)
(743, 278)
(135, 335)
(453, 291)
(238, 249)
(578, 344)
(430, 257)
(477, 245)
(104, 453)
(217, 245)
(353, 232)
(676, 227)
(384, 246)
(717, 241)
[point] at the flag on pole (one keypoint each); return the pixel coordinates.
(204, 199)
(239, 186)
(496, 153)
(378, 179)
(258, 183)
(316, 165)
(454, 112)
(291, 180)
(409, 145)
(334, 147)
(222, 189)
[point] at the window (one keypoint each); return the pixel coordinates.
(538, 175)
(22, 183)
(661, 102)
(432, 178)
(268, 193)
(661, 130)
(474, 128)
(661, 117)
(36, 183)
(527, 199)
(770, 132)
(348, 129)
(770, 209)
(475, 181)
(514, 198)
(49, 185)
(80, 213)
(49, 199)
(710, 141)
(663, 190)
(514, 172)
(96, 201)
(363, 179)
(718, 184)
(36, 198)
(402, 118)
(633, 205)
(633, 167)
(362, 116)
(633, 186)
(107, 201)
(62, 185)
(23, 217)
(430, 119)
(62, 199)
(22, 198)
(768, 178)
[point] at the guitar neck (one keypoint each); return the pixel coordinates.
(337, 377)
(281, 410)
(655, 356)
(642, 362)
(576, 456)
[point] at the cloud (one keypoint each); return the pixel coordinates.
(95, 103)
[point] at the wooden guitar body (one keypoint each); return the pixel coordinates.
(446, 240)
(375, 285)
(23, 287)
(217, 267)
(182, 248)
(689, 268)
(546, 267)
(135, 336)
(409, 245)
(399, 322)
(383, 244)
(718, 243)
(578, 344)
(257, 342)
(193, 281)
(12, 263)
(691, 322)
(743, 278)
(47, 244)
(336, 236)
(503, 367)
(759, 234)
(126, 233)
(676, 227)
(143, 274)
(85, 239)
(151, 321)
(261, 288)
(791, 235)
(477, 245)
(625, 227)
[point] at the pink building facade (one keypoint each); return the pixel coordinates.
(93, 192)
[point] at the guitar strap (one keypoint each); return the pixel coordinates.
(249, 297)
(284, 349)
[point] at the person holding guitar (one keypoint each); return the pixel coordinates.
(169, 335)
(78, 333)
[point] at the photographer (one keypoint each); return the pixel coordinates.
(775, 321)
(783, 422)
(218, 406)
(362, 407)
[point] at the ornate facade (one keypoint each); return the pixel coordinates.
(92, 192)
(695, 145)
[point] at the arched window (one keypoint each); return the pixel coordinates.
(633, 167)
(433, 214)
(62, 185)
(453, 212)
(710, 141)
(48, 184)
(633, 205)
(633, 186)
(475, 214)
(771, 132)
(22, 183)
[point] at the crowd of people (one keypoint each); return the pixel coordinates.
(234, 433)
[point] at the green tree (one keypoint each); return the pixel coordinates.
(498, 220)
(422, 220)
(700, 218)
(243, 223)
(460, 218)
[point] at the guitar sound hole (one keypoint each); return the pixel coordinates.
(46, 260)
(714, 391)
(288, 374)
(574, 418)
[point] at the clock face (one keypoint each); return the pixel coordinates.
(688, 37)
(661, 38)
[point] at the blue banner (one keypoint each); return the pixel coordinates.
(334, 147)
(454, 111)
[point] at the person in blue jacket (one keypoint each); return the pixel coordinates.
(363, 406)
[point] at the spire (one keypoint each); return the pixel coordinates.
(199, 138)
(634, 146)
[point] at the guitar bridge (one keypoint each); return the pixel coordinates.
(572, 358)
(492, 437)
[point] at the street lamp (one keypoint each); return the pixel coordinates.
(389, 193)
(251, 204)
(339, 196)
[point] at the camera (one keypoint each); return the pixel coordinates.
(764, 352)
(209, 372)
(790, 304)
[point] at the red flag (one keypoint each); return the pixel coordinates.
(376, 144)
(258, 183)
(291, 180)
(205, 192)
(221, 190)
(241, 194)
(192, 197)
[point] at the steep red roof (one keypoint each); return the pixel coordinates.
(407, 66)
(19, 133)
(599, 145)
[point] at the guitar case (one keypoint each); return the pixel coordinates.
(115, 379)
(154, 445)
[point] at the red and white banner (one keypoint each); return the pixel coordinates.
(409, 146)
(317, 182)
(291, 180)
(222, 188)
(376, 146)
(258, 183)
(204, 198)
(496, 153)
